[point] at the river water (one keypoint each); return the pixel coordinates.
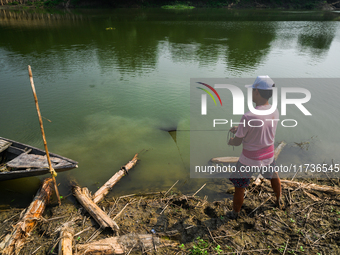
(110, 83)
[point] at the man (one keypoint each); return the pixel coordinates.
(257, 134)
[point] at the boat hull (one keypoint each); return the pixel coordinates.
(16, 149)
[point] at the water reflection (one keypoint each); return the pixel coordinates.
(317, 37)
(134, 43)
(248, 45)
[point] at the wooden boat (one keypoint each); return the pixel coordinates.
(19, 160)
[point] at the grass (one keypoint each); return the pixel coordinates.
(201, 247)
(178, 7)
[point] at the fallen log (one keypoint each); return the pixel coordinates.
(123, 244)
(312, 186)
(279, 149)
(27, 222)
(66, 238)
(235, 159)
(224, 160)
(305, 186)
(84, 197)
(102, 192)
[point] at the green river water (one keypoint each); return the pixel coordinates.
(111, 82)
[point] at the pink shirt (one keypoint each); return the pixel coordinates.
(258, 132)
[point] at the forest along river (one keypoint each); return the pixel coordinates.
(111, 83)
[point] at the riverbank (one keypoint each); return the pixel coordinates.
(230, 4)
(308, 223)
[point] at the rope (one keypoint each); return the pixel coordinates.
(230, 135)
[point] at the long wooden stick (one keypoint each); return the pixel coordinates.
(102, 192)
(52, 171)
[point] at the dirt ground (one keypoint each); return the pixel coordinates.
(309, 223)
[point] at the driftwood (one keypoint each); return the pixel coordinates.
(15, 240)
(225, 160)
(311, 186)
(235, 159)
(101, 193)
(84, 197)
(66, 238)
(279, 149)
(123, 244)
(305, 186)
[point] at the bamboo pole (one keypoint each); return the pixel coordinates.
(52, 171)
(65, 244)
(101, 193)
(15, 240)
(124, 244)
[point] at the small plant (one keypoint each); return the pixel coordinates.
(291, 220)
(218, 249)
(181, 246)
(332, 209)
(300, 232)
(281, 249)
(200, 247)
(301, 248)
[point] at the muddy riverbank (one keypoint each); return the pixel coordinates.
(308, 224)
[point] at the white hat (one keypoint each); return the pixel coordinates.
(262, 82)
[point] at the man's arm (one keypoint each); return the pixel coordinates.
(236, 141)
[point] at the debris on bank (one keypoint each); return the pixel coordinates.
(173, 223)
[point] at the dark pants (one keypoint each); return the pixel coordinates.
(242, 179)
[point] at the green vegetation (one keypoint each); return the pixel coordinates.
(201, 247)
(178, 7)
(185, 5)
